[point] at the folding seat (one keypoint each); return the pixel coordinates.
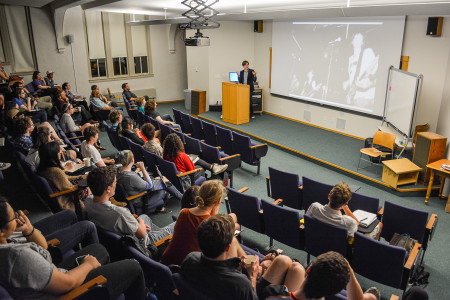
(285, 186)
(210, 134)
(192, 146)
(177, 117)
(314, 191)
(186, 121)
(225, 140)
(251, 153)
(122, 196)
(213, 155)
(197, 128)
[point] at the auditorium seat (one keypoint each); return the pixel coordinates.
(285, 186)
(250, 153)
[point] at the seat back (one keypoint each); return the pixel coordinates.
(137, 150)
(209, 153)
(179, 133)
(241, 145)
(246, 208)
(187, 291)
(400, 219)
(121, 195)
(210, 134)
(154, 271)
(378, 261)
(169, 170)
(165, 130)
(44, 190)
(197, 128)
(314, 191)
(384, 139)
(113, 135)
(225, 140)
(148, 119)
(284, 185)
(321, 237)
(125, 143)
(112, 242)
(150, 161)
(177, 117)
(283, 224)
(362, 202)
(192, 145)
(186, 121)
(4, 294)
(140, 117)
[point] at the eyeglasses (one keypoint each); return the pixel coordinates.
(16, 217)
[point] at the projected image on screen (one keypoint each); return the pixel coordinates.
(341, 63)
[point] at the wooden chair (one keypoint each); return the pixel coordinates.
(380, 139)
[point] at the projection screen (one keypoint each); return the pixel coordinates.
(341, 62)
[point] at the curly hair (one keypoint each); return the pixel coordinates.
(172, 145)
(340, 195)
(210, 193)
(140, 101)
(148, 130)
(150, 106)
(40, 137)
(326, 276)
(90, 132)
(22, 125)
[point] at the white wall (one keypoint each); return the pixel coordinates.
(170, 78)
(235, 41)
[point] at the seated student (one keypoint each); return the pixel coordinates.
(338, 199)
(50, 168)
(68, 124)
(153, 143)
(173, 150)
(215, 271)
(116, 119)
(28, 272)
(27, 104)
(99, 101)
(44, 102)
(129, 94)
(89, 150)
(41, 87)
(62, 225)
(140, 104)
(24, 127)
(81, 111)
(134, 184)
(75, 100)
(328, 274)
(184, 239)
(42, 136)
(150, 110)
(129, 132)
(102, 182)
(189, 196)
(49, 79)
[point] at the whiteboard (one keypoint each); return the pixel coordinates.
(402, 95)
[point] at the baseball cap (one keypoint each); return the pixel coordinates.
(50, 72)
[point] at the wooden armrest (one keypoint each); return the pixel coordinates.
(176, 128)
(132, 109)
(163, 240)
(394, 297)
(256, 146)
(277, 202)
(413, 256)
(229, 157)
(432, 221)
(188, 134)
(381, 211)
(244, 189)
(268, 178)
(53, 242)
(218, 147)
(136, 196)
(176, 292)
(99, 280)
(188, 173)
(261, 211)
(74, 189)
(300, 187)
(135, 216)
(77, 145)
(75, 137)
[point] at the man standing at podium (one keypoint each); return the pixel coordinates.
(248, 76)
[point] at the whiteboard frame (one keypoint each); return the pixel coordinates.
(416, 100)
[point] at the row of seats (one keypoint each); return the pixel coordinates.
(376, 260)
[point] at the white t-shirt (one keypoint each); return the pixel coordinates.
(90, 151)
(326, 214)
(33, 157)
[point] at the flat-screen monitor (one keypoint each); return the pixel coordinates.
(234, 77)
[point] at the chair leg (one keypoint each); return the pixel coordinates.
(268, 248)
(231, 179)
(359, 162)
(259, 166)
(268, 186)
(308, 258)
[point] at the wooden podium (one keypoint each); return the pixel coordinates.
(235, 103)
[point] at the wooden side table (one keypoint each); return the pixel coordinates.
(435, 168)
(400, 171)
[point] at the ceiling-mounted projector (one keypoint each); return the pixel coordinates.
(197, 40)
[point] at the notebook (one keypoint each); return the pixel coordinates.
(365, 218)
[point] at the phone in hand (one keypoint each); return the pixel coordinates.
(80, 259)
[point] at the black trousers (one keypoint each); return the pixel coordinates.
(124, 276)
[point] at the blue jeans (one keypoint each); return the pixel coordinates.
(64, 227)
(156, 235)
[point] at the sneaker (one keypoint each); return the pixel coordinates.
(217, 169)
(4, 166)
(374, 291)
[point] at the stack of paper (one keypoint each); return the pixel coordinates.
(365, 218)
